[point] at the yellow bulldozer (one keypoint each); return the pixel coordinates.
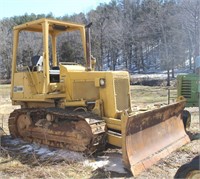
(72, 106)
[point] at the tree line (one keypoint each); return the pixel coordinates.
(133, 35)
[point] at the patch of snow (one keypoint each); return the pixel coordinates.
(109, 162)
(26, 149)
(155, 76)
(14, 142)
(43, 152)
(96, 164)
(68, 155)
(161, 74)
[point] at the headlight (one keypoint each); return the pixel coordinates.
(102, 82)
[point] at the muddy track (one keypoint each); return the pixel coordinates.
(76, 131)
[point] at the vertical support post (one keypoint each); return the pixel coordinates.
(168, 95)
(45, 28)
(14, 58)
(53, 38)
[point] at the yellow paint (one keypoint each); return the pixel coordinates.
(76, 87)
(115, 140)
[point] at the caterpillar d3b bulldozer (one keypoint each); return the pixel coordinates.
(72, 106)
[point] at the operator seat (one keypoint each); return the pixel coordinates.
(37, 63)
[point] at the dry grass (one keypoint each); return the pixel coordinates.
(13, 165)
(143, 96)
(21, 165)
(5, 91)
(61, 170)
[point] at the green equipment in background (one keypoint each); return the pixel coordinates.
(187, 86)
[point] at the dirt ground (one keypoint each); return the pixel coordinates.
(19, 159)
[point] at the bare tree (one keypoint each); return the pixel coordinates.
(191, 23)
(6, 26)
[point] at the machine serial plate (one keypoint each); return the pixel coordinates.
(18, 89)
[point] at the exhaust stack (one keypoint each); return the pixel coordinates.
(88, 47)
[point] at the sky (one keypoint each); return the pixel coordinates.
(9, 8)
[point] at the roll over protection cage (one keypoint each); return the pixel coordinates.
(53, 28)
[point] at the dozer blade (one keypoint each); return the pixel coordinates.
(152, 135)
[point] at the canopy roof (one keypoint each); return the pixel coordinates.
(54, 26)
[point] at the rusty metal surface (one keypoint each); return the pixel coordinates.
(152, 135)
(77, 131)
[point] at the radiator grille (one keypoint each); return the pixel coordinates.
(186, 89)
(122, 94)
